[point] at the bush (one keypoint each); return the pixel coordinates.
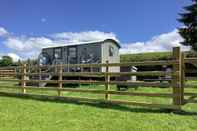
(6, 61)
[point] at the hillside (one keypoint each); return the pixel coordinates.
(153, 56)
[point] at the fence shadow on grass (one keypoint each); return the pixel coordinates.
(93, 104)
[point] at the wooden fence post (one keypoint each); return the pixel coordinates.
(107, 80)
(40, 75)
(15, 73)
(24, 71)
(182, 77)
(176, 78)
(60, 79)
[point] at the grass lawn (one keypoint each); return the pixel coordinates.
(17, 114)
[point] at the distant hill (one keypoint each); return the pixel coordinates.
(153, 56)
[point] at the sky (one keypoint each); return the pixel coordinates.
(26, 26)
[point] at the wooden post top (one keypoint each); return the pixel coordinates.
(176, 52)
(24, 65)
(177, 48)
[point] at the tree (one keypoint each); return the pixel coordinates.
(189, 31)
(6, 61)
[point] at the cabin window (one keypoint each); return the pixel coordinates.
(44, 58)
(111, 51)
(57, 53)
(72, 52)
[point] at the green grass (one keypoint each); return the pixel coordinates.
(152, 56)
(19, 114)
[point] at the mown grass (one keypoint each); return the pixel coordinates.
(20, 114)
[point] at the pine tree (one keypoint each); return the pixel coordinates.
(189, 31)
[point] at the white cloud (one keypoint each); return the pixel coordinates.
(30, 47)
(70, 37)
(163, 42)
(27, 43)
(3, 31)
(14, 57)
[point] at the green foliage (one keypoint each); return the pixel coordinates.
(189, 31)
(6, 61)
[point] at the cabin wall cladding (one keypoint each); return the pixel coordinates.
(111, 58)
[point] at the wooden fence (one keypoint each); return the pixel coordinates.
(7, 73)
(177, 83)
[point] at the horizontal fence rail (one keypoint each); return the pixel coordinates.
(7, 73)
(150, 84)
(146, 63)
(143, 73)
(191, 60)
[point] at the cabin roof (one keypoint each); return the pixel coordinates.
(83, 43)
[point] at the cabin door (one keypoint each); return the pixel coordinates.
(72, 55)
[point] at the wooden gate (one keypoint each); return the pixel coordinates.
(190, 96)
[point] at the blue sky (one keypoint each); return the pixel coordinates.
(131, 21)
